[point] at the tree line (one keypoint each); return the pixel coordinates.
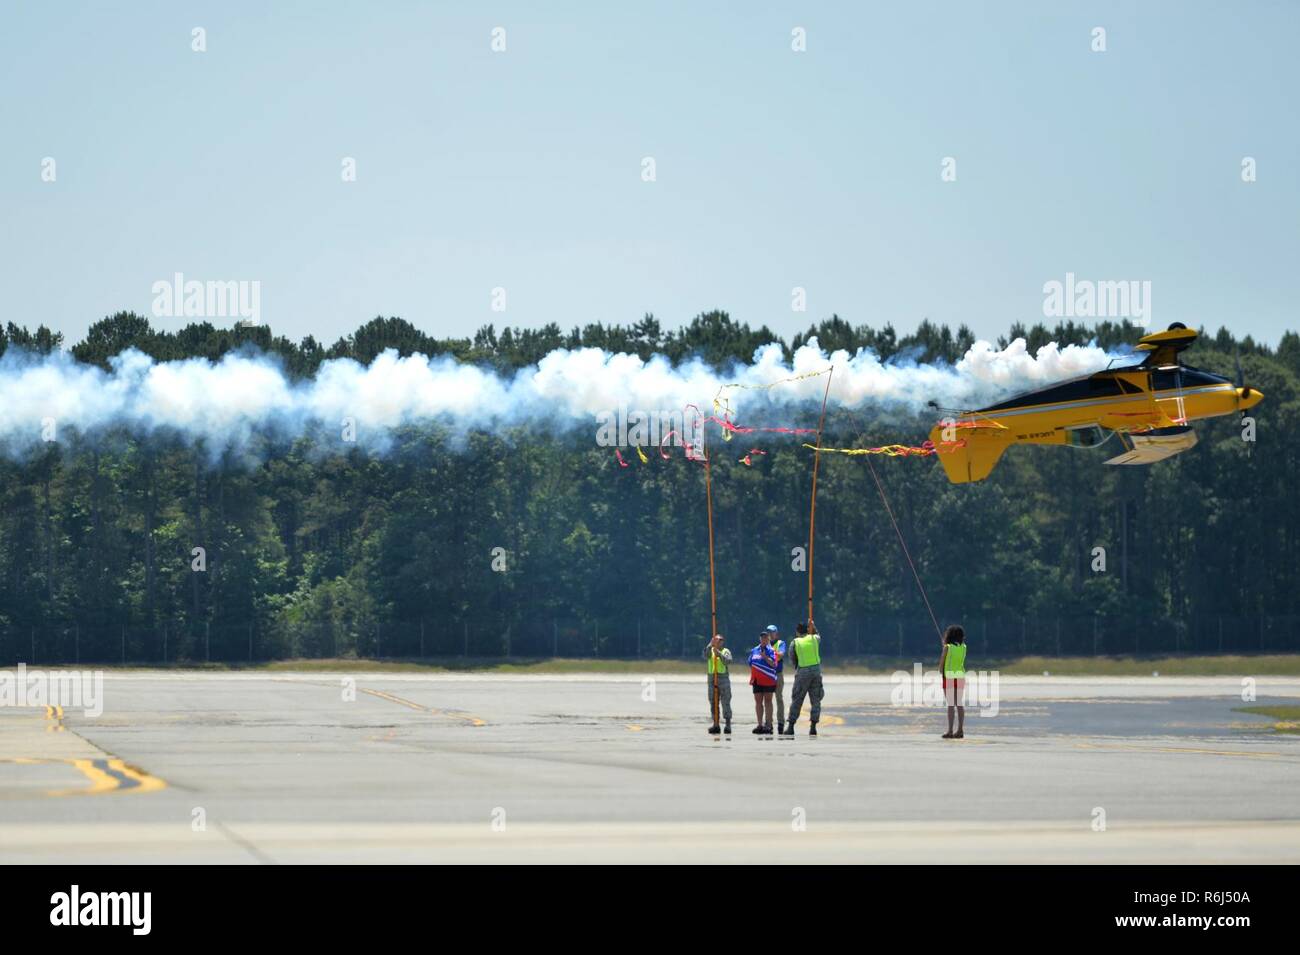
(489, 543)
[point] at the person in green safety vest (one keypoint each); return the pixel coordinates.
(717, 657)
(806, 654)
(952, 664)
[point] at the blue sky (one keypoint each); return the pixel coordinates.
(775, 169)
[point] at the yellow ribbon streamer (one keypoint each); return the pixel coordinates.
(722, 406)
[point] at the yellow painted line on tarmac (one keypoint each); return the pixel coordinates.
(634, 727)
(393, 698)
(110, 776)
(828, 720)
(144, 783)
(103, 772)
(94, 770)
(54, 713)
(1189, 750)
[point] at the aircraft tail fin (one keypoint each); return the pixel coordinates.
(974, 453)
(1163, 347)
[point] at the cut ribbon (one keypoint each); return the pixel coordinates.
(722, 406)
(893, 450)
(729, 429)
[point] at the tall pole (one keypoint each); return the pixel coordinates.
(812, 517)
(708, 495)
(713, 592)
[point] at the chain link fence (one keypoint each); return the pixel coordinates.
(434, 638)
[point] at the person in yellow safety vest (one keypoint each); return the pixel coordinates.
(718, 656)
(952, 664)
(806, 654)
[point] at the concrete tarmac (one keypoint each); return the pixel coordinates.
(281, 767)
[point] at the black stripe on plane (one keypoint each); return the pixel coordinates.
(1101, 385)
(1106, 384)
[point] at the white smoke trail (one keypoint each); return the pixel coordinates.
(226, 403)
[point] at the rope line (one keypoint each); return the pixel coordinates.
(890, 511)
(812, 516)
(884, 499)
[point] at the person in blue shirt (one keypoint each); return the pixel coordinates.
(762, 677)
(778, 645)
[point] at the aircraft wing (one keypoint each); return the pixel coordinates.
(1147, 447)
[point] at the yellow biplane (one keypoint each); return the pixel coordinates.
(1148, 406)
